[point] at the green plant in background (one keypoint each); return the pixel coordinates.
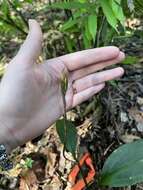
(11, 16)
(138, 5)
(94, 22)
(88, 23)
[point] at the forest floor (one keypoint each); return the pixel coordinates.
(105, 122)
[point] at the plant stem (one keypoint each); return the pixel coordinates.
(65, 124)
(97, 41)
(65, 129)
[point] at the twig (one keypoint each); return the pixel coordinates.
(96, 44)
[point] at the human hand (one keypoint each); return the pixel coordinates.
(30, 93)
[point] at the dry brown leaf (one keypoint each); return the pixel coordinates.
(128, 138)
(52, 161)
(140, 101)
(28, 181)
(84, 128)
(136, 114)
(55, 184)
(23, 185)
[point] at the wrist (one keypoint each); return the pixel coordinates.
(6, 137)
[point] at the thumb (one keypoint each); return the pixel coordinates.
(31, 48)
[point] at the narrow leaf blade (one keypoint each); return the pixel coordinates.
(69, 24)
(107, 9)
(92, 25)
(118, 11)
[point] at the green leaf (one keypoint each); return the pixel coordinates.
(17, 4)
(87, 43)
(70, 5)
(118, 11)
(29, 1)
(92, 25)
(5, 7)
(138, 7)
(130, 60)
(107, 10)
(69, 44)
(68, 137)
(87, 38)
(27, 163)
(86, 30)
(124, 166)
(113, 83)
(69, 24)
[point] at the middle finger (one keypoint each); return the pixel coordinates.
(77, 74)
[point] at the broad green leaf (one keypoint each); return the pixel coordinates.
(70, 5)
(68, 137)
(107, 9)
(118, 11)
(124, 166)
(130, 60)
(92, 25)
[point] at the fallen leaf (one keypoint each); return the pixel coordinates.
(28, 181)
(129, 138)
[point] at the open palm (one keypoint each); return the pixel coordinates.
(30, 93)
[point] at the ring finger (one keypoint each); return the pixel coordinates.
(97, 78)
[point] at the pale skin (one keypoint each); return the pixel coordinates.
(30, 93)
